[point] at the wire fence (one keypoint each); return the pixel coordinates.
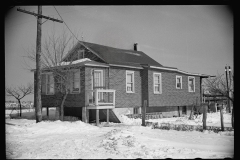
(10, 106)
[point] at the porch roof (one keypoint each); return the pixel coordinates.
(183, 72)
(81, 63)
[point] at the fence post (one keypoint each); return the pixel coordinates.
(144, 112)
(107, 116)
(204, 120)
(221, 115)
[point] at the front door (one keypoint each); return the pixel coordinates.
(98, 81)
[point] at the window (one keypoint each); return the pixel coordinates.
(178, 82)
(130, 81)
(47, 82)
(70, 81)
(157, 83)
(50, 83)
(43, 81)
(191, 84)
(75, 81)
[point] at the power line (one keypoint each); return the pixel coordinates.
(65, 23)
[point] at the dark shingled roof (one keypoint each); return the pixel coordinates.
(120, 56)
(123, 57)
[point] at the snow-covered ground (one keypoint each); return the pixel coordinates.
(55, 139)
(213, 119)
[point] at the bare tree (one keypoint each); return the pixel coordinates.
(218, 86)
(54, 49)
(19, 93)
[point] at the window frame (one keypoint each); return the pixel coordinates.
(191, 77)
(72, 81)
(160, 90)
(46, 83)
(133, 81)
(180, 82)
(101, 78)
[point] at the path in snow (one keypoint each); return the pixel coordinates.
(27, 139)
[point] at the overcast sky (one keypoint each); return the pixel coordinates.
(196, 39)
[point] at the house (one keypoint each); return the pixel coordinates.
(108, 80)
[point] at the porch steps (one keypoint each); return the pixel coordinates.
(112, 116)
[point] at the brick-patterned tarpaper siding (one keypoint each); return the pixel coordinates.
(143, 85)
(170, 95)
(118, 82)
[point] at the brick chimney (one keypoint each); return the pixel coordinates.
(135, 46)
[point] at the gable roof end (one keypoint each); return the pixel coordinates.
(117, 56)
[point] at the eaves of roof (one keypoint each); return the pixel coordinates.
(183, 72)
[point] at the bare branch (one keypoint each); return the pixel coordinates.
(218, 86)
(20, 92)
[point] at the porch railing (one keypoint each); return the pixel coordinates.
(100, 98)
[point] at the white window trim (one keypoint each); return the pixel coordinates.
(46, 83)
(180, 81)
(155, 92)
(130, 72)
(193, 83)
(75, 92)
(101, 76)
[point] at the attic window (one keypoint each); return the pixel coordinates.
(136, 54)
(80, 54)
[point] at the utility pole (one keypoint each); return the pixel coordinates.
(230, 84)
(226, 71)
(231, 95)
(37, 88)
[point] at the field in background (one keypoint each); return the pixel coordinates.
(30, 113)
(25, 105)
